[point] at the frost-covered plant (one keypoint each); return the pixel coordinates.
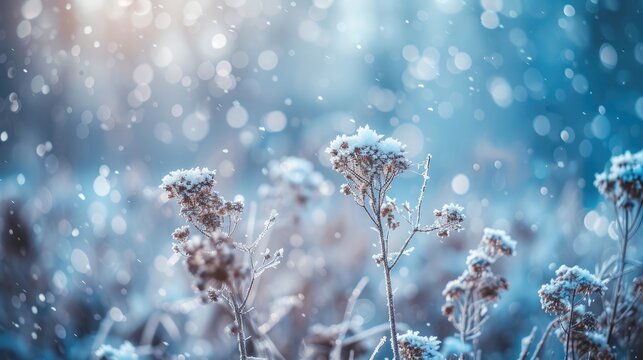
(370, 163)
(622, 186)
(124, 352)
(629, 320)
(413, 346)
(223, 270)
(574, 325)
(468, 297)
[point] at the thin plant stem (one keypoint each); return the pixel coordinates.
(389, 294)
(526, 343)
(571, 324)
(377, 348)
(375, 205)
(348, 313)
(391, 313)
(543, 340)
(241, 336)
(619, 281)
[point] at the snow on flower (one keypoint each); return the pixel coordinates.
(556, 297)
(200, 204)
(622, 183)
(496, 243)
(366, 160)
(448, 219)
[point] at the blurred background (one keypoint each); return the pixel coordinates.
(519, 101)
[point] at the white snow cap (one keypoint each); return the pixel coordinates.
(188, 178)
(364, 137)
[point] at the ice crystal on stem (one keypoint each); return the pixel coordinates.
(223, 270)
(468, 297)
(370, 163)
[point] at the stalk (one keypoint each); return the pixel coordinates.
(389, 293)
(619, 282)
(241, 336)
(571, 324)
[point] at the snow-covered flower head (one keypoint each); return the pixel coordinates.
(367, 159)
(181, 234)
(449, 218)
(456, 288)
(622, 184)
(497, 243)
(478, 261)
(125, 352)
(556, 297)
(413, 346)
(490, 285)
(200, 203)
(179, 183)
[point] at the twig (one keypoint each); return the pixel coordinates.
(337, 349)
(378, 347)
(526, 343)
(543, 340)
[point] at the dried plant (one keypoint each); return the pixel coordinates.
(622, 186)
(468, 297)
(370, 164)
(575, 326)
(629, 319)
(223, 270)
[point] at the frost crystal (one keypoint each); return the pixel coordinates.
(416, 347)
(622, 184)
